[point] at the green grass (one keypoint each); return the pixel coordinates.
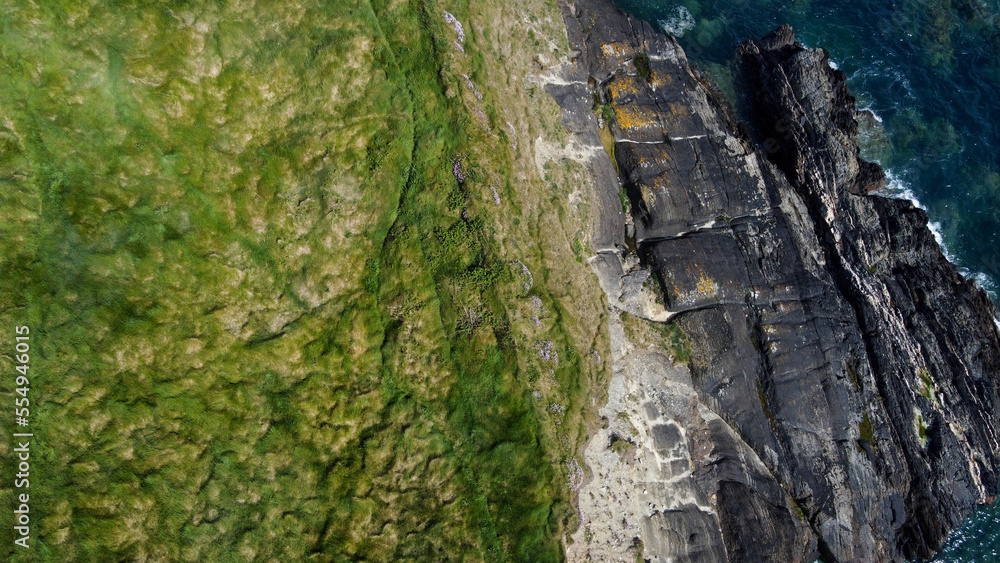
(625, 201)
(926, 386)
(921, 429)
(677, 341)
(622, 446)
(642, 65)
(667, 336)
(607, 113)
(245, 260)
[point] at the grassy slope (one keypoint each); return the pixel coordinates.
(268, 321)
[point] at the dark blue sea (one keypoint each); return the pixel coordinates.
(929, 70)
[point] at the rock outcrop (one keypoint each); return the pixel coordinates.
(841, 400)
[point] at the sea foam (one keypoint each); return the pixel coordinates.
(895, 187)
(678, 22)
(869, 109)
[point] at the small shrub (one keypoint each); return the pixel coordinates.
(607, 113)
(626, 202)
(642, 65)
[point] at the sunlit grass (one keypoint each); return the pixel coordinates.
(248, 264)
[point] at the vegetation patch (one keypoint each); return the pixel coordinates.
(274, 320)
(866, 432)
(665, 336)
(642, 65)
(624, 447)
(797, 509)
(920, 426)
(607, 113)
(926, 387)
(677, 341)
(625, 201)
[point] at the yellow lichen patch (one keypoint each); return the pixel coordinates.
(619, 50)
(634, 118)
(707, 287)
(661, 157)
(622, 86)
(658, 79)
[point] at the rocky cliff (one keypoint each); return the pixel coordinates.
(841, 396)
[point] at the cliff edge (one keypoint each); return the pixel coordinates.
(840, 400)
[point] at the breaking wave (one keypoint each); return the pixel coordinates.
(677, 23)
(895, 187)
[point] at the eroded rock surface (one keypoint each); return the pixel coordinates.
(841, 399)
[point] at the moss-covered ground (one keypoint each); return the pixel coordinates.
(296, 286)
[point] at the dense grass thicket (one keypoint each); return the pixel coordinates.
(270, 316)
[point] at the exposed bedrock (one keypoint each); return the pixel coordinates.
(842, 395)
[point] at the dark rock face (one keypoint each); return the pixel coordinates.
(931, 347)
(854, 372)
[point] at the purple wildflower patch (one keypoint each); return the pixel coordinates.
(547, 352)
(471, 86)
(457, 25)
(527, 284)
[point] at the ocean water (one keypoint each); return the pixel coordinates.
(929, 71)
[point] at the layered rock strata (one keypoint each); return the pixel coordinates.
(841, 398)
